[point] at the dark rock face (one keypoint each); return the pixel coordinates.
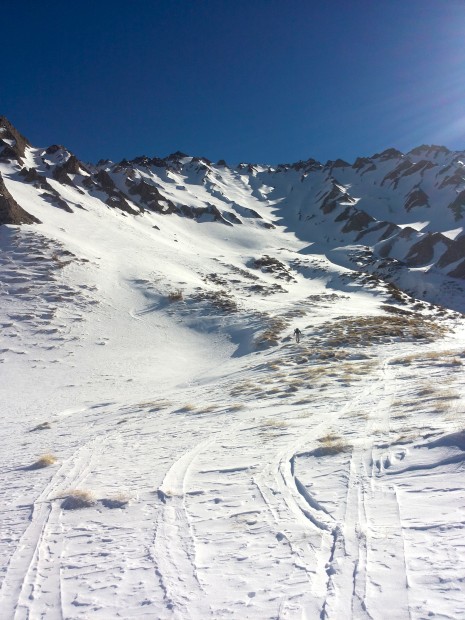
(54, 148)
(397, 173)
(116, 198)
(331, 199)
(458, 205)
(454, 253)
(8, 132)
(50, 194)
(357, 220)
(417, 198)
(10, 211)
(60, 175)
(456, 178)
(422, 252)
(30, 175)
(337, 163)
(74, 166)
(388, 154)
(151, 198)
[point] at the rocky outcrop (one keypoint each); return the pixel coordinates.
(150, 197)
(416, 198)
(454, 253)
(10, 211)
(333, 197)
(458, 206)
(356, 220)
(116, 198)
(12, 143)
(422, 253)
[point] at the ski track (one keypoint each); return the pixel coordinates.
(324, 565)
(243, 512)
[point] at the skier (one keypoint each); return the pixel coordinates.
(297, 333)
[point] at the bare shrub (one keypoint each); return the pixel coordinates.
(77, 499)
(175, 296)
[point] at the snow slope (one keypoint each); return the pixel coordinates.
(229, 472)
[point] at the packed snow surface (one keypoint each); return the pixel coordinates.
(169, 451)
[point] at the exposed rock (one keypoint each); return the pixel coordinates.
(457, 178)
(60, 174)
(142, 160)
(338, 163)
(357, 220)
(116, 198)
(30, 175)
(428, 150)
(151, 197)
(361, 162)
(388, 154)
(422, 252)
(388, 229)
(74, 166)
(458, 205)
(213, 214)
(9, 132)
(54, 198)
(416, 198)
(54, 148)
(331, 199)
(459, 271)
(420, 166)
(398, 172)
(454, 253)
(10, 211)
(269, 264)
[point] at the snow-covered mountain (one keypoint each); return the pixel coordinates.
(408, 208)
(169, 450)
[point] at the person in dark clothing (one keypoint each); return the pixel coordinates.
(297, 334)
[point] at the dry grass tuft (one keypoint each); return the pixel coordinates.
(270, 337)
(272, 423)
(185, 408)
(372, 330)
(44, 461)
(237, 407)
(77, 499)
(333, 444)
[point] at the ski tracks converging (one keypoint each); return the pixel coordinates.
(32, 583)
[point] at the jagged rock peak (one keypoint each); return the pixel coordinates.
(388, 154)
(429, 150)
(303, 164)
(13, 142)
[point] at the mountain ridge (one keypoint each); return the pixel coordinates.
(408, 208)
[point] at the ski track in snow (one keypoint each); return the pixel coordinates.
(278, 484)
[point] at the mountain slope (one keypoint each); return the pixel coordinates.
(222, 469)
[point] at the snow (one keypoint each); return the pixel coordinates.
(230, 479)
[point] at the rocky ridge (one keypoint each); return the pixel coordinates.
(408, 208)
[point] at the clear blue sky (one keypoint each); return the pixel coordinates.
(244, 80)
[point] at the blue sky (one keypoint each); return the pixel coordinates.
(244, 80)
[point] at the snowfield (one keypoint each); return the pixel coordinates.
(205, 465)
